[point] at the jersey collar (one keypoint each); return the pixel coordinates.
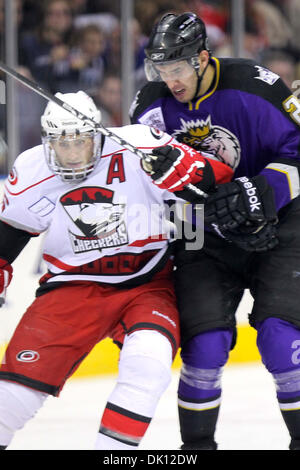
(194, 104)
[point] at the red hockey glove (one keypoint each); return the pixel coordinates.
(6, 271)
(174, 167)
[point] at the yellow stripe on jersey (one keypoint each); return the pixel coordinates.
(207, 95)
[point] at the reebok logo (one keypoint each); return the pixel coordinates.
(155, 312)
(251, 191)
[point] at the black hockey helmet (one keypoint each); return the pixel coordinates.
(175, 37)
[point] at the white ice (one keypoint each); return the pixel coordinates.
(249, 417)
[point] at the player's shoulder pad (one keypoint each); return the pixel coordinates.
(29, 168)
(143, 137)
(146, 97)
(251, 77)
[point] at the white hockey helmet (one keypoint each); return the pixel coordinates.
(57, 123)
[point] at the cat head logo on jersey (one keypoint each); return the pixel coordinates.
(100, 221)
(216, 140)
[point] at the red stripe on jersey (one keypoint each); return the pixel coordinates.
(29, 187)
(122, 424)
(56, 262)
(153, 239)
(126, 263)
(123, 263)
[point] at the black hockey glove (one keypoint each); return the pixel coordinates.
(251, 237)
(244, 201)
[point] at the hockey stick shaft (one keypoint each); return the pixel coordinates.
(107, 132)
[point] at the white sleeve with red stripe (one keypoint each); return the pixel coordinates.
(25, 192)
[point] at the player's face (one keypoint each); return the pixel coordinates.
(73, 152)
(181, 79)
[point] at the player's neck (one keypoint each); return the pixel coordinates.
(207, 79)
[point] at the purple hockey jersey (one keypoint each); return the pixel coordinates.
(248, 119)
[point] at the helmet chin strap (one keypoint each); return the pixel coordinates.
(199, 81)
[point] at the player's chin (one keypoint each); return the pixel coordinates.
(181, 96)
(74, 166)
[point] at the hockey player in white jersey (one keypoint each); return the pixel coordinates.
(108, 253)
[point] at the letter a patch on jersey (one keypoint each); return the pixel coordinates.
(100, 221)
(116, 169)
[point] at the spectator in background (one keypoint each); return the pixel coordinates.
(147, 12)
(253, 44)
(106, 20)
(292, 10)
(113, 52)
(255, 35)
(31, 15)
(108, 99)
(79, 7)
(45, 51)
(215, 14)
(85, 63)
(271, 22)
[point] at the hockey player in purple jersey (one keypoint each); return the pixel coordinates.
(245, 116)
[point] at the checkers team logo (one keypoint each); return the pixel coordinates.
(101, 222)
(28, 356)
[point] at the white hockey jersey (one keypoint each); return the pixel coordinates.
(109, 228)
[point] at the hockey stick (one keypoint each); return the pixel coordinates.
(108, 133)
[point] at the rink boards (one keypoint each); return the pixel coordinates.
(104, 357)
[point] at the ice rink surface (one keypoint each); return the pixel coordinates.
(249, 417)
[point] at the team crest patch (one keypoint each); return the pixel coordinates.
(153, 118)
(218, 141)
(266, 75)
(27, 356)
(157, 133)
(13, 176)
(100, 222)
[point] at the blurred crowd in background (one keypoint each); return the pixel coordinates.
(70, 45)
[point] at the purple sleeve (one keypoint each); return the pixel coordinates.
(282, 136)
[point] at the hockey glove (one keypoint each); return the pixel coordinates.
(250, 237)
(173, 167)
(6, 271)
(244, 201)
